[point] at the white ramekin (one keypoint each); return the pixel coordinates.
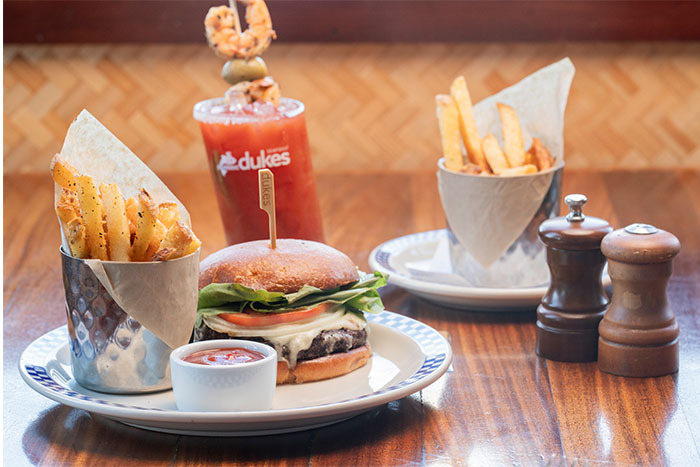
(226, 388)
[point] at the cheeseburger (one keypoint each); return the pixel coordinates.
(305, 299)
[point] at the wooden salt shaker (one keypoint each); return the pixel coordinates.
(569, 314)
(639, 334)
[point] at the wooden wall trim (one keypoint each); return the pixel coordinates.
(177, 21)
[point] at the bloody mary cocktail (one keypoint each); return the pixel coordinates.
(241, 140)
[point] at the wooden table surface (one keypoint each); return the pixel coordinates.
(501, 404)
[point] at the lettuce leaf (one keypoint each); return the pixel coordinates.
(357, 297)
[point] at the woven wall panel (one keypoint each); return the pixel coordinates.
(368, 106)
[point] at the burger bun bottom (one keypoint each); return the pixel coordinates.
(321, 368)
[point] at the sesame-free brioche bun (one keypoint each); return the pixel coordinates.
(293, 264)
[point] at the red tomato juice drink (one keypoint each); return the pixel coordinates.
(239, 141)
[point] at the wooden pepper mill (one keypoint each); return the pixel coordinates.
(639, 334)
(569, 314)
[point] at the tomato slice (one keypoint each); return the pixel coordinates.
(254, 318)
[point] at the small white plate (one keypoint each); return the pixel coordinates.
(402, 257)
(407, 356)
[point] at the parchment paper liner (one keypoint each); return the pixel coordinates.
(162, 296)
(487, 214)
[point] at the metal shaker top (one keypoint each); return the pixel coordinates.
(641, 244)
(575, 231)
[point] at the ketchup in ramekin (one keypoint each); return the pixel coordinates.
(206, 374)
(219, 357)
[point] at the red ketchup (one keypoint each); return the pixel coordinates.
(223, 357)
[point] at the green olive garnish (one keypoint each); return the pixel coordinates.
(239, 69)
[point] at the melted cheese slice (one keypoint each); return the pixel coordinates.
(297, 336)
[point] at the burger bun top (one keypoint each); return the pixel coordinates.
(293, 264)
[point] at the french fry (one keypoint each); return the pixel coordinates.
(495, 157)
(75, 235)
(467, 124)
(512, 136)
(540, 155)
(521, 170)
(194, 245)
(162, 255)
(168, 214)
(158, 236)
(472, 169)
(63, 173)
(448, 118)
(118, 234)
(178, 238)
(146, 224)
(91, 209)
(73, 229)
(132, 213)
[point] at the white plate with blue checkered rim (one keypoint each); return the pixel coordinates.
(407, 356)
(391, 257)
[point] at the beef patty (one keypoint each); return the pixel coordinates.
(326, 343)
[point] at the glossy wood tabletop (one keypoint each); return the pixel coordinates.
(500, 404)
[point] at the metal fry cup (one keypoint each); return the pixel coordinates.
(109, 350)
(492, 225)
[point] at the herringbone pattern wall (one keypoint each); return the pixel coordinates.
(368, 106)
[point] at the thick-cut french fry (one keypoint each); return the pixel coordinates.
(92, 210)
(168, 214)
(467, 124)
(66, 212)
(472, 169)
(162, 255)
(158, 236)
(448, 118)
(75, 234)
(493, 154)
(118, 234)
(178, 238)
(540, 155)
(146, 224)
(132, 213)
(521, 170)
(63, 173)
(512, 136)
(194, 245)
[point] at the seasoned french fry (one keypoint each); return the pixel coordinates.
(521, 170)
(118, 234)
(75, 234)
(132, 213)
(512, 136)
(448, 118)
(91, 209)
(63, 173)
(168, 214)
(146, 224)
(495, 157)
(158, 236)
(467, 124)
(540, 155)
(178, 238)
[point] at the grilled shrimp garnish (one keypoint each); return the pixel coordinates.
(224, 31)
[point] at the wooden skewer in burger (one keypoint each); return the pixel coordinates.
(304, 298)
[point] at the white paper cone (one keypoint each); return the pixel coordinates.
(159, 295)
(162, 296)
(487, 214)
